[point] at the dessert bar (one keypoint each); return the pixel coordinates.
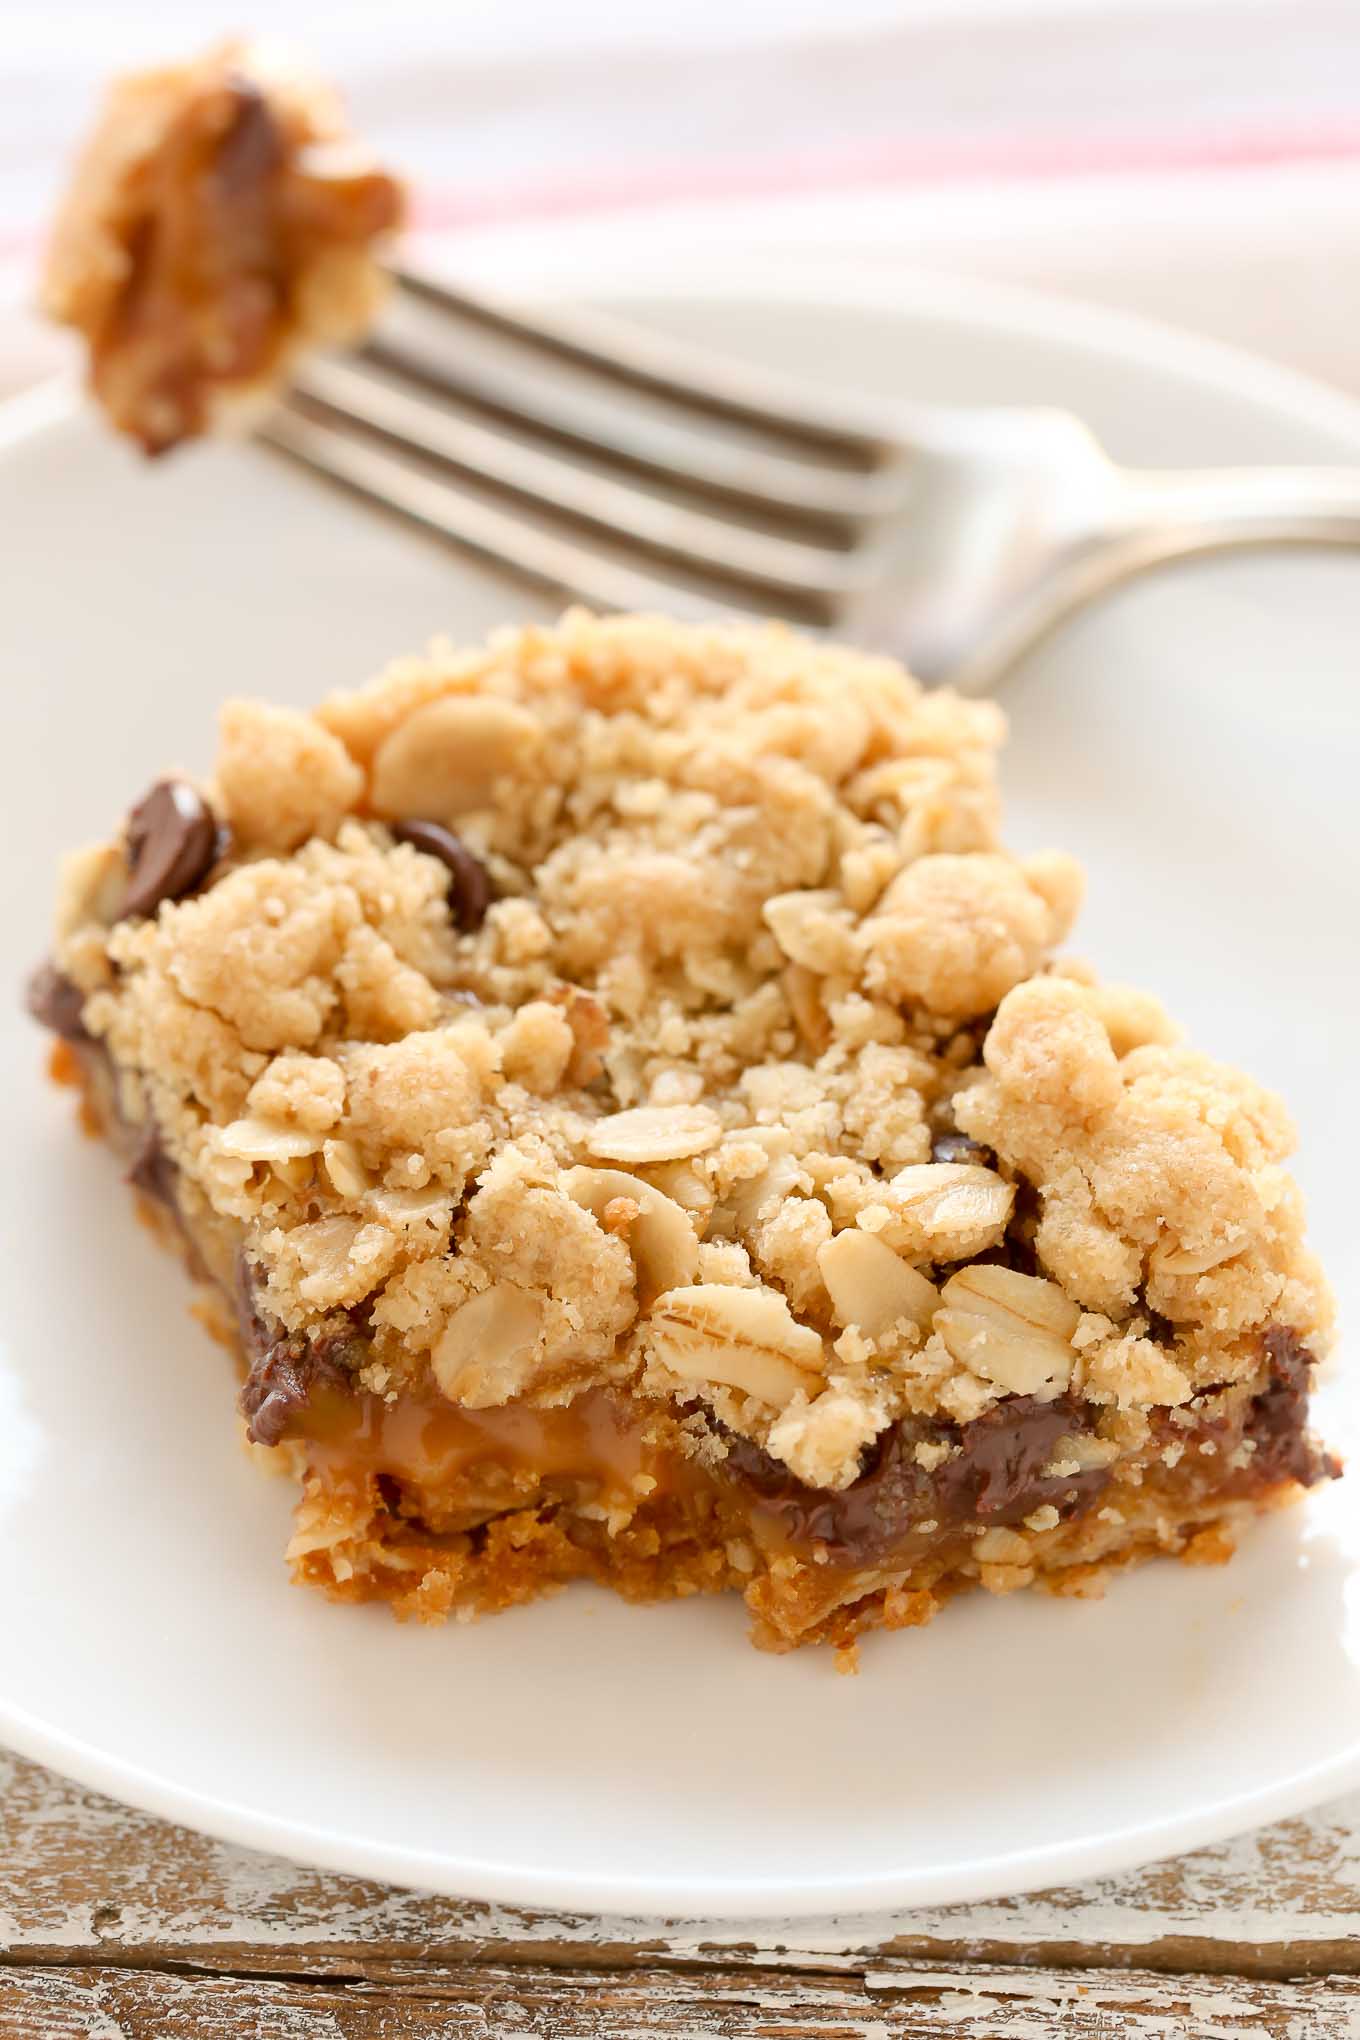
(635, 1123)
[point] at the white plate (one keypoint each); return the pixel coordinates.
(1197, 741)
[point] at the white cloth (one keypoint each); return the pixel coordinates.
(1196, 160)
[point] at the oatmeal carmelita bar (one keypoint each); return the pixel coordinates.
(625, 1101)
(222, 217)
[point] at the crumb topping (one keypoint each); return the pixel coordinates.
(752, 1080)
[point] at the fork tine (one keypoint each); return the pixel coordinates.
(564, 569)
(816, 580)
(672, 369)
(828, 499)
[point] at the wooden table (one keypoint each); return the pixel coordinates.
(114, 1926)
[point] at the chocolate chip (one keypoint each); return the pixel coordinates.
(55, 1002)
(956, 1147)
(995, 1475)
(469, 881)
(173, 842)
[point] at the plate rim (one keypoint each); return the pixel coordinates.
(677, 1901)
(784, 278)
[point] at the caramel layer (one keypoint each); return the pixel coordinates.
(436, 1445)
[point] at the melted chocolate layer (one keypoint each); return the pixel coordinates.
(1278, 1420)
(287, 1368)
(994, 1475)
(151, 1170)
(54, 1002)
(252, 150)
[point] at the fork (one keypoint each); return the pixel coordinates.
(665, 477)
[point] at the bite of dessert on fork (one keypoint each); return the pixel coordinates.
(222, 217)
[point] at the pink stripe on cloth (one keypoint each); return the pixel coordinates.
(934, 160)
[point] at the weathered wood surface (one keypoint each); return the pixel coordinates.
(118, 1926)
(663, 2004)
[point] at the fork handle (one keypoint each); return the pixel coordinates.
(1158, 517)
(1209, 509)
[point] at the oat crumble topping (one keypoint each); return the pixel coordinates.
(751, 958)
